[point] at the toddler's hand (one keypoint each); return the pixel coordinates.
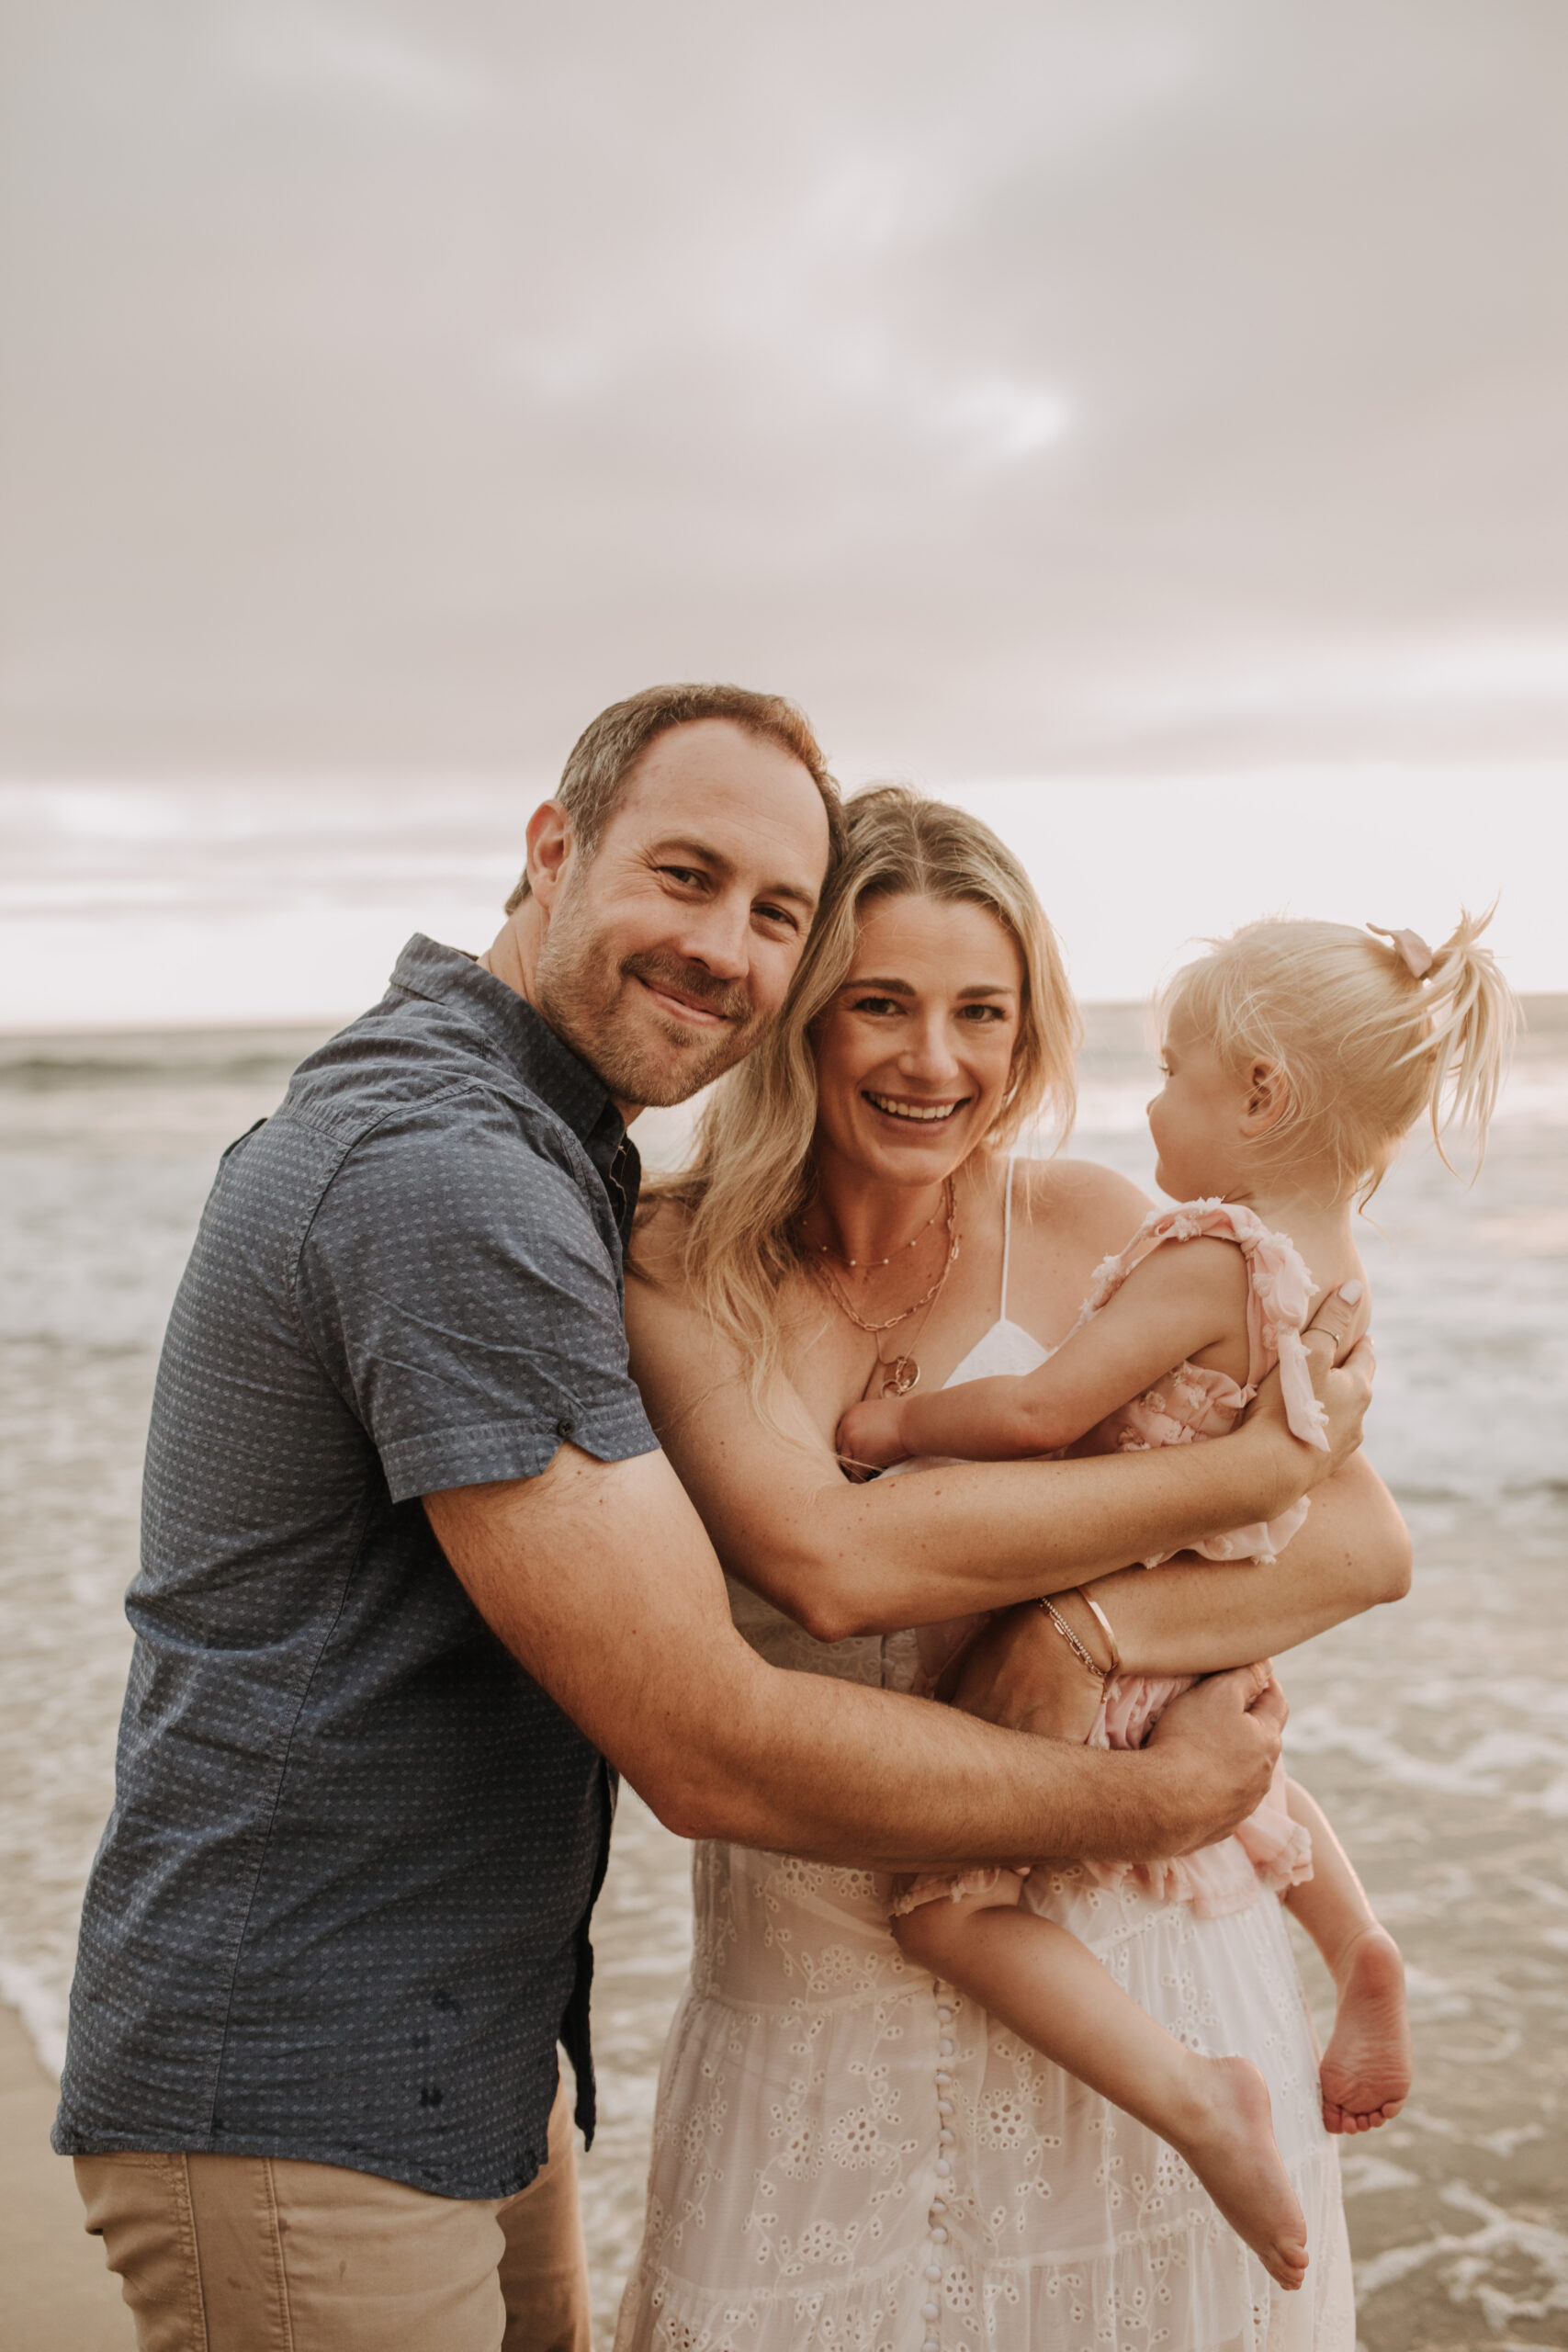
(868, 1434)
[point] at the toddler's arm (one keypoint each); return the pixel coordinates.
(1178, 1302)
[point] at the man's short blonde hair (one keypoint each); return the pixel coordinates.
(610, 747)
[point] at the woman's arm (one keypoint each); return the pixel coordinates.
(845, 1559)
(1197, 1618)
(1178, 1301)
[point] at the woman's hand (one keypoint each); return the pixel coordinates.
(869, 1435)
(1342, 1382)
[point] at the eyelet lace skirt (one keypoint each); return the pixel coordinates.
(846, 2155)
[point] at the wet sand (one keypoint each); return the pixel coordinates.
(57, 2292)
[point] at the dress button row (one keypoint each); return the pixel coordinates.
(930, 2310)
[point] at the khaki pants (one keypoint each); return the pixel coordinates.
(259, 2254)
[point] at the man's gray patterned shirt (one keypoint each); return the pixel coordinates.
(340, 1907)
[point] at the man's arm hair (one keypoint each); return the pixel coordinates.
(601, 1581)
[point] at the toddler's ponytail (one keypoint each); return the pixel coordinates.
(1473, 1014)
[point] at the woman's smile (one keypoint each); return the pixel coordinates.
(896, 1107)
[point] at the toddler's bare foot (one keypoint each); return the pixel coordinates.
(1229, 2143)
(1366, 2068)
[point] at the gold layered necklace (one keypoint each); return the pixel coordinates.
(899, 1372)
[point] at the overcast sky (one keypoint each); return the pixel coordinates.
(1133, 395)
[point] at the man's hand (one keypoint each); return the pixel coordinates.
(1342, 1381)
(1220, 1742)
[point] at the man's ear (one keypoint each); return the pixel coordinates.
(549, 852)
(1268, 1100)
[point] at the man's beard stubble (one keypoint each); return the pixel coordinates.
(580, 990)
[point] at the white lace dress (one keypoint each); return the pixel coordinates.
(848, 2157)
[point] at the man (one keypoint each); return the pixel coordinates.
(414, 1568)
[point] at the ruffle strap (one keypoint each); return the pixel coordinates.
(1303, 1411)
(1278, 1281)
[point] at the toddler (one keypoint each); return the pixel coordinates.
(1295, 1056)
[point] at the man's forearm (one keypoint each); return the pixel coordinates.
(1199, 1617)
(599, 1579)
(841, 1774)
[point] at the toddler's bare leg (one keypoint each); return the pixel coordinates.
(1050, 1990)
(1366, 2068)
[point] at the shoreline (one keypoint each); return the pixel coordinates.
(57, 2288)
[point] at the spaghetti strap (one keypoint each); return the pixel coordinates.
(1007, 1232)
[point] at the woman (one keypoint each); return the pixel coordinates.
(842, 2155)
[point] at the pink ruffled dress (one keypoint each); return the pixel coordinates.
(1192, 1403)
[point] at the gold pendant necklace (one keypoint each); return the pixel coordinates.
(899, 1376)
(901, 1373)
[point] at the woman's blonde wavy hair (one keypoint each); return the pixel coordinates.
(751, 1174)
(1363, 1045)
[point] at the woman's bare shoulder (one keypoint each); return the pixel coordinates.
(656, 1260)
(662, 1222)
(1097, 1200)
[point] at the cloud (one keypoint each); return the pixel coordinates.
(1028, 391)
(1000, 422)
(296, 53)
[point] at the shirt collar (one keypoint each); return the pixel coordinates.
(545, 1063)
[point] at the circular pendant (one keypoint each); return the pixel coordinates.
(902, 1374)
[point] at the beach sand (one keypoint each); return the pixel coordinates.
(57, 2292)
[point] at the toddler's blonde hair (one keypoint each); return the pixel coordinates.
(1360, 1046)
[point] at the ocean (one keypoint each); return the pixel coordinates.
(1435, 1733)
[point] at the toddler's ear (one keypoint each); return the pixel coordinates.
(1268, 1099)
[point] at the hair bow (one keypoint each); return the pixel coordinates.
(1418, 956)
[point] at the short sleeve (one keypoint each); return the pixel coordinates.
(465, 1297)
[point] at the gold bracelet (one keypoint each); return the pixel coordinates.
(1071, 1640)
(1101, 1673)
(1090, 1602)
